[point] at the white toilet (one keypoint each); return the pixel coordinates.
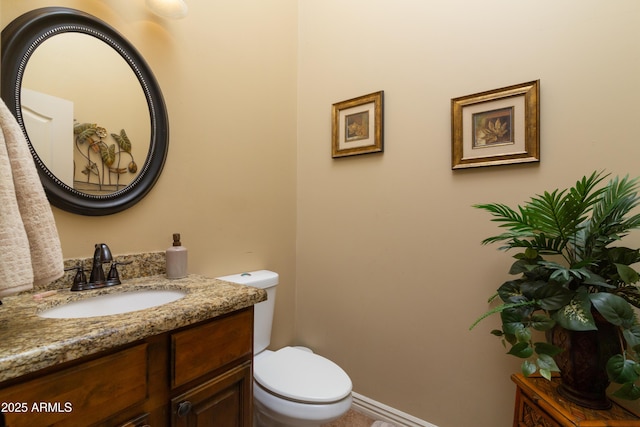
(292, 386)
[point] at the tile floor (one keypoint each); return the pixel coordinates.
(354, 419)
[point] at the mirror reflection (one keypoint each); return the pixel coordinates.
(90, 107)
(85, 113)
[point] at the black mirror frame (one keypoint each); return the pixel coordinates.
(19, 40)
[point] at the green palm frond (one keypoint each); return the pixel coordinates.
(507, 216)
(609, 221)
(618, 200)
(550, 221)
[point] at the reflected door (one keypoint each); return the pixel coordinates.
(50, 123)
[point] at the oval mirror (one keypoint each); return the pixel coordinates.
(89, 106)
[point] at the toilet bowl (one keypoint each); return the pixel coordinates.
(292, 387)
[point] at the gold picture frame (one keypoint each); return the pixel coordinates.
(497, 127)
(357, 126)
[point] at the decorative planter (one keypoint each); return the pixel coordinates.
(582, 364)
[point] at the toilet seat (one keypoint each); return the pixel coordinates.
(302, 376)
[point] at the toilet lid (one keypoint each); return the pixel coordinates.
(302, 376)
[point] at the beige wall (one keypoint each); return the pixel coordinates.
(380, 259)
(390, 270)
(228, 74)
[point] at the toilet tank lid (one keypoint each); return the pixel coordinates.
(259, 279)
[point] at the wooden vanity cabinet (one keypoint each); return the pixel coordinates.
(197, 375)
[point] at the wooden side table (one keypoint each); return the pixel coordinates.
(538, 405)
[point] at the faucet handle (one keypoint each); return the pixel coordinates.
(113, 278)
(80, 279)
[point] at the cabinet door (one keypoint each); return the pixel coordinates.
(203, 349)
(224, 401)
(80, 395)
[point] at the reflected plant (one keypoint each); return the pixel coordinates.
(109, 155)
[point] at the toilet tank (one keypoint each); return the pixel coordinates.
(263, 311)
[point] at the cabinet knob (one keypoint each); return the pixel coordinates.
(184, 408)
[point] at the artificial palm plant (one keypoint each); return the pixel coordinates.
(571, 267)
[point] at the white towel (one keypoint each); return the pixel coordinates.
(30, 250)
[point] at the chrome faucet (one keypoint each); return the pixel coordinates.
(97, 279)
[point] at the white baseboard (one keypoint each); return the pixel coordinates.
(382, 412)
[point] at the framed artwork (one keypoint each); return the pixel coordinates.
(496, 127)
(357, 126)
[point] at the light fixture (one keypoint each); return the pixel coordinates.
(174, 9)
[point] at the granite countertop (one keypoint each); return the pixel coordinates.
(29, 343)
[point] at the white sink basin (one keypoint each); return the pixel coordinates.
(118, 303)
